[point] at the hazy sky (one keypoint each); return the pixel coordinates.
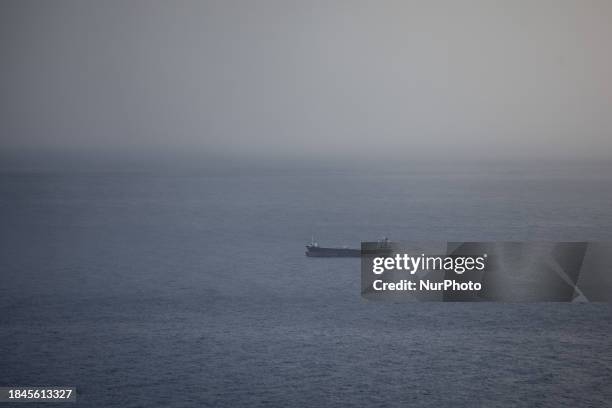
(312, 78)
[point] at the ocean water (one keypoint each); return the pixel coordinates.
(191, 288)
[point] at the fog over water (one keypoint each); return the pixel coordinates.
(163, 164)
(340, 79)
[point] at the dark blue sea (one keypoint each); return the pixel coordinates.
(181, 288)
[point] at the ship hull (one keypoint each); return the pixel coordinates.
(321, 252)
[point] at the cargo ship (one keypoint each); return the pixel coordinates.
(314, 250)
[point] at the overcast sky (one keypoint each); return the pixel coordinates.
(309, 78)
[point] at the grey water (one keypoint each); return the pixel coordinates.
(191, 288)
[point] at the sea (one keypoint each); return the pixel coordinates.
(189, 287)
